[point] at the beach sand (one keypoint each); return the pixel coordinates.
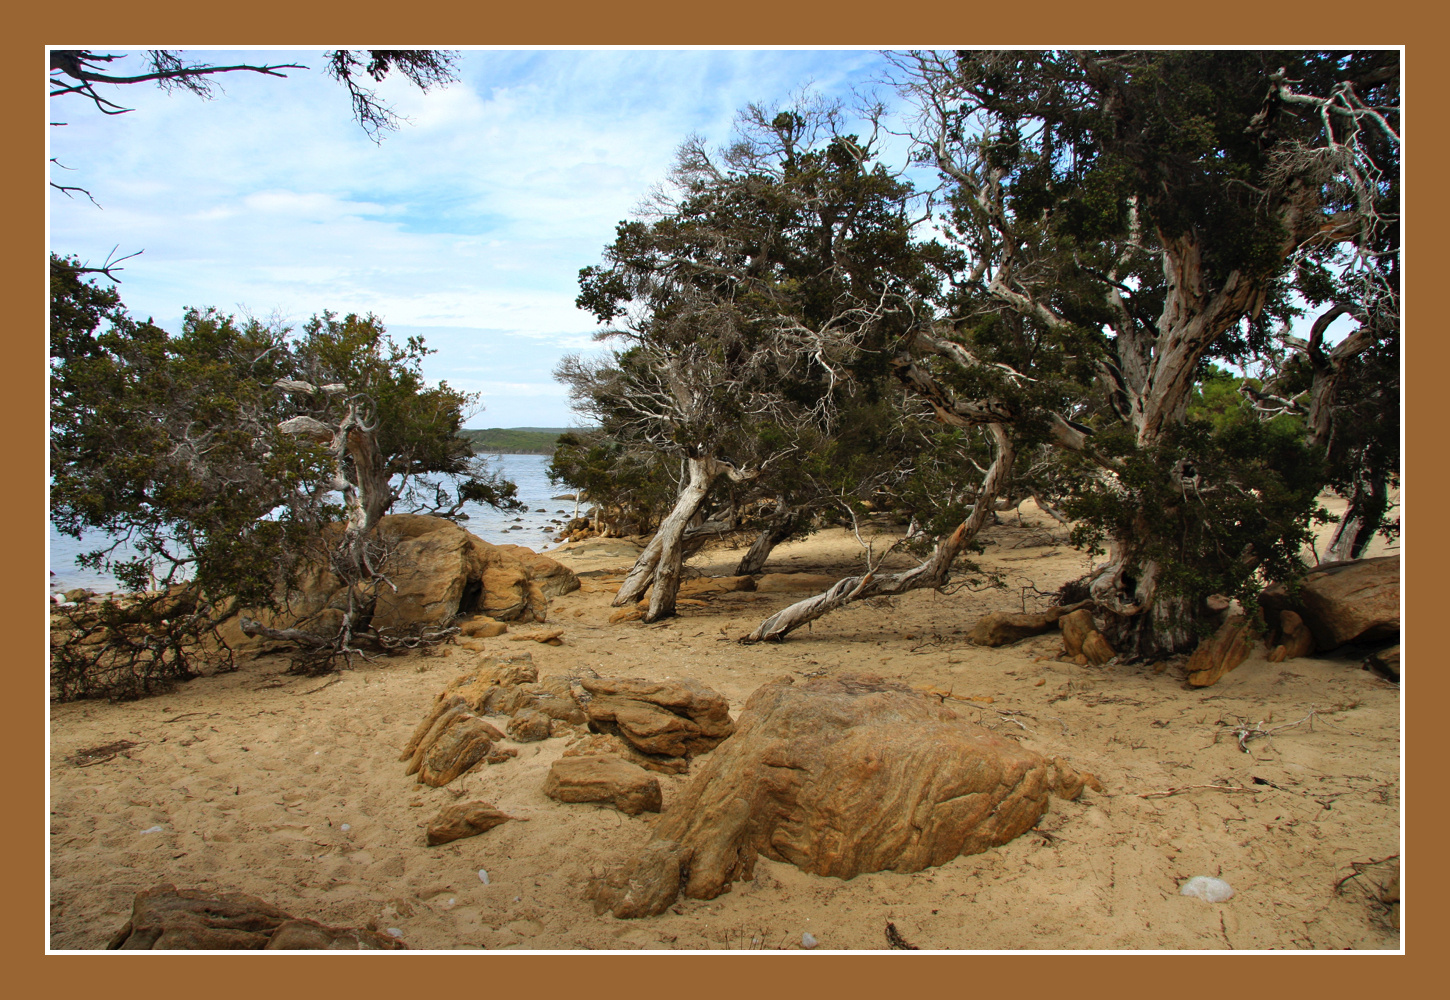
(290, 788)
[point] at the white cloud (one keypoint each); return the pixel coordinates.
(478, 215)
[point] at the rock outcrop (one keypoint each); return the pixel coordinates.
(1342, 601)
(455, 737)
(168, 918)
(839, 777)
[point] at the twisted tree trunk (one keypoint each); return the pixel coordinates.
(932, 573)
(662, 560)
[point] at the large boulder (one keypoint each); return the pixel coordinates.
(839, 777)
(1342, 601)
(673, 718)
(168, 918)
(440, 572)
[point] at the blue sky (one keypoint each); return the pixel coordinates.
(468, 226)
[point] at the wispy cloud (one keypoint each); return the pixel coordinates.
(471, 222)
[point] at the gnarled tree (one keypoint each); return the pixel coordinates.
(1165, 209)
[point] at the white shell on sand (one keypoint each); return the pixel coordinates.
(1212, 890)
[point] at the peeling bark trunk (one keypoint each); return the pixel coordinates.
(661, 561)
(932, 573)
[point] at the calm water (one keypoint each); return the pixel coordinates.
(531, 529)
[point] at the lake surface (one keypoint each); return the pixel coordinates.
(532, 528)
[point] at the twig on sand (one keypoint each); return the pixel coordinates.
(184, 715)
(1360, 867)
(1190, 788)
(1246, 733)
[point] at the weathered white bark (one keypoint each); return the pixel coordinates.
(703, 472)
(932, 573)
(662, 559)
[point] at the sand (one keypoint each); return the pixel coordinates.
(289, 788)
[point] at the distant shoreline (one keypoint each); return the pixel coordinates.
(514, 440)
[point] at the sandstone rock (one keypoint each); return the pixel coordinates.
(1343, 601)
(464, 819)
(795, 583)
(529, 726)
(842, 776)
(455, 751)
(482, 628)
(1083, 642)
(1294, 638)
(1386, 662)
(491, 673)
(553, 637)
(167, 918)
(999, 628)
(554, 578)
(672, 718)
(500, 755)
(598, 744)
(450, 741)
(626, 614)
(630, 788)
(441, 572)
(646, 887)
(1216, 656)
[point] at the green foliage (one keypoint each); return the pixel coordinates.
(173, 445)
(1222, 506)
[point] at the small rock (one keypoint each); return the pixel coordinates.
(629, 787)
(464, 819)
(808, 940)
(482, 628)
(529, 726)
(1223, 652)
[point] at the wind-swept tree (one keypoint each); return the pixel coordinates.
(1156, 211)
(757, 286)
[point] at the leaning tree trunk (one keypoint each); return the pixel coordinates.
(932, 573)
(781, 527)
(663, 559)
(1356, 528)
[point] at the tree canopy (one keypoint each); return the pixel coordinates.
(220, 455)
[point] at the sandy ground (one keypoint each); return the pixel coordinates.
(289, 788)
